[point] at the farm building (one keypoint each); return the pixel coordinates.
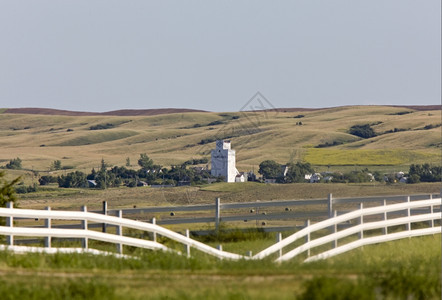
(224, 161)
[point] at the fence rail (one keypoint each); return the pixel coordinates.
(48, 233)
(319, 209)
(359, 215)
(357, 222)
(264, 211)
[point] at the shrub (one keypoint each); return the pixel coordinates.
(46, 179)
(26, 189)
(102, 126)
(363, 131)
(207, 141)
(401, 113)
(56, 165)
(218, 122)
(14, 164)
(327, 144)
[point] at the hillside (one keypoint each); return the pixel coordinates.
(121, 112)
(405, 135)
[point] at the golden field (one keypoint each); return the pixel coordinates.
(256, 136)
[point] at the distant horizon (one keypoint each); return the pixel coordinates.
(165, 110)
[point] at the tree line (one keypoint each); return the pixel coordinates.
(149, 173)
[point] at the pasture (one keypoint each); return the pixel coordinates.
(124, 197)
(394, 270)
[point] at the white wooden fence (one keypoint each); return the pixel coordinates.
(431, 216)
(425, 212)
(48, 233)
(262, 212)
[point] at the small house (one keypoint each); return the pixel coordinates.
(240, 178)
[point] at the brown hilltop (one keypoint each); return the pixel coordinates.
(159, 111)
(122, 112)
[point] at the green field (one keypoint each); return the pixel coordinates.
(368, 157)
(405, 269)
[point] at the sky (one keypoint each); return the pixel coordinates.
(103, 55)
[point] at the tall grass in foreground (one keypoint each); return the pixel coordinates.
(405, 269)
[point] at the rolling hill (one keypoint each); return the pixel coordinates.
(404, 135)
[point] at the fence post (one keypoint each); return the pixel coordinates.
(84, 241)
(187, 244)
(120, 232)
(432, 220)
(330, 205)
(104, 213)
(10, 223)
(217, 213)
(361, 221)
(307, 237)
(408, 215)
(335, 229)
(278, 239)
(385, 229)
(154, 222)
(48, 224)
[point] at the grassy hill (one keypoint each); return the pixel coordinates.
(404, 136)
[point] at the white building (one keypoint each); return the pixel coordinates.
(223, 161)
(240, 178)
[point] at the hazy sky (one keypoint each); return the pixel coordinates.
(214, 55)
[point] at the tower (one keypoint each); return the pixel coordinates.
(223, 161)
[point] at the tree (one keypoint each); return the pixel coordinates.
(297, 172)
(145, 162)
(14, 164)
(425, 173)
(46, 179)
(363, 131)
(127, 162)
(56, 165)
(103, 165)
(269, 169)
(7, 191)
(413, 179)
(73, 180)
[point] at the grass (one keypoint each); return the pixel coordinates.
(98, 137)
(231, 187)
(409, 268)
(368, 157)
(143, 197)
